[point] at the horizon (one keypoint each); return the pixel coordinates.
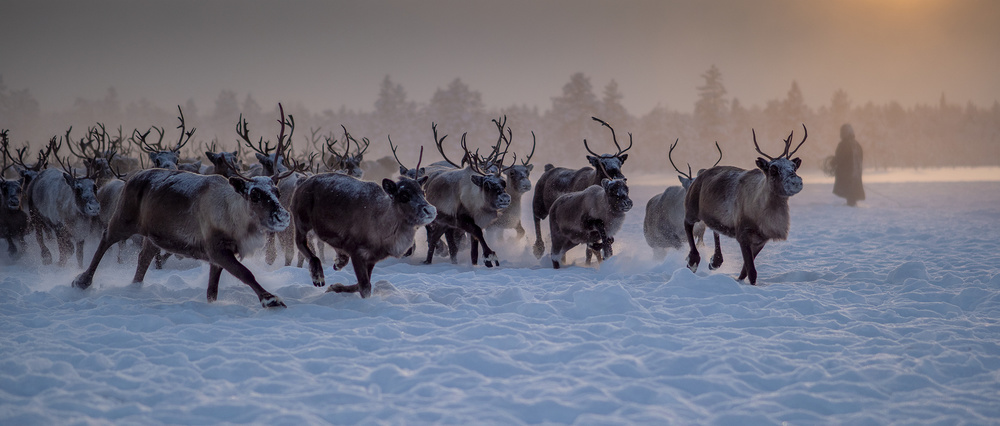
(334, 55)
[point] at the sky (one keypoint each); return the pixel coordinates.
(329, 54)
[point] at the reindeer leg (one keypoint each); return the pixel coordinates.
(474, 250)
(285, 238)
(693, 257)
(224, 256)
(449, 236)
(40, 235)
(65, 245)
(717, 257)
(363, 271)
(315, 264)
(341, 261)
(519, 232)
(146, 255)
(79, 254)
(270, 251)
(214, 273)
(86, 277)
(539, 247)
(467, 224)
(434, 232)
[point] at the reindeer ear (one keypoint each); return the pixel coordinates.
(422, 172)
(402, 171)
(478, 180)
(151, 155)
(423, 180)
(213, 157)
(762, 164)
(260, 157)
(594, 161)
(390, 187)
(605, 183)
(797, 162)
(684, 181)
(238, 184)
(623, 157)
(69, 178)
(530, 167)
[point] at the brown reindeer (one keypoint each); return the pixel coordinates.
(467, 199)
(592, 216)
(363, 220)
(556, 181)
(663, 225)
(748, 205)
(205, 217)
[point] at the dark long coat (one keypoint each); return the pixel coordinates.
(847, 170)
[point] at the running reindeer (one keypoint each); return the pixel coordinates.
(206, 217)
(363, 220)
(748, 205)
(467, 199)
(663, 225)
(556, 181)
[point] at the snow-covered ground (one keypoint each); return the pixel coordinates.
(886, 313)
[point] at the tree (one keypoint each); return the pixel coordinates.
(393, 112)
(840, 106)
(710, 108)
(612, 109)
(458, 109)
(794, 107)
(572, 112)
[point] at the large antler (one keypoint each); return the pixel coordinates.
(788, 144)
(671, 158)
(185, 137)
(613, 138)
(243, 130)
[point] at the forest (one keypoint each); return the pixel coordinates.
(946, 134)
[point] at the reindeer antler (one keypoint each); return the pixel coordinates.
(788, 143)
(439, 142)
(613, 138)
(671, 158)
(185, 137)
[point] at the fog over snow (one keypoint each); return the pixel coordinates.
(886, 313)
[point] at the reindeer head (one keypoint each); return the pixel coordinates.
(225, 162)
(609, 165)
(10, 190)
(347, 163)
(261, 192)
(408, 192)
(163, 157)
(518, 174)
(616, 192)
(780, 171)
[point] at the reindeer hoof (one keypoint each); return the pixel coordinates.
(539, 250)
(81, 282)
(555, 264)
(491, 260)
(272, 301)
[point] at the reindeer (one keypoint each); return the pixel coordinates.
(592, 216)
(518, 184)
(556, 181)
(663, 225)
(748, 205)
(61, 201)
(206, 217)
(361, 219)
(162, 157)
(269, 164)
(346, 163)
(13, 219)
(467, 199)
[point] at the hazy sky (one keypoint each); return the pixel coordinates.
(326, 54)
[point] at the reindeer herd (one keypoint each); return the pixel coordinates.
(224, 211)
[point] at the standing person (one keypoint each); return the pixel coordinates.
(847, 167)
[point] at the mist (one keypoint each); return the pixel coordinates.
(912, 77)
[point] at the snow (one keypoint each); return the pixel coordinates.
(886, 313)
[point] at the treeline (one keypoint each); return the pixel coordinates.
(945, 134)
